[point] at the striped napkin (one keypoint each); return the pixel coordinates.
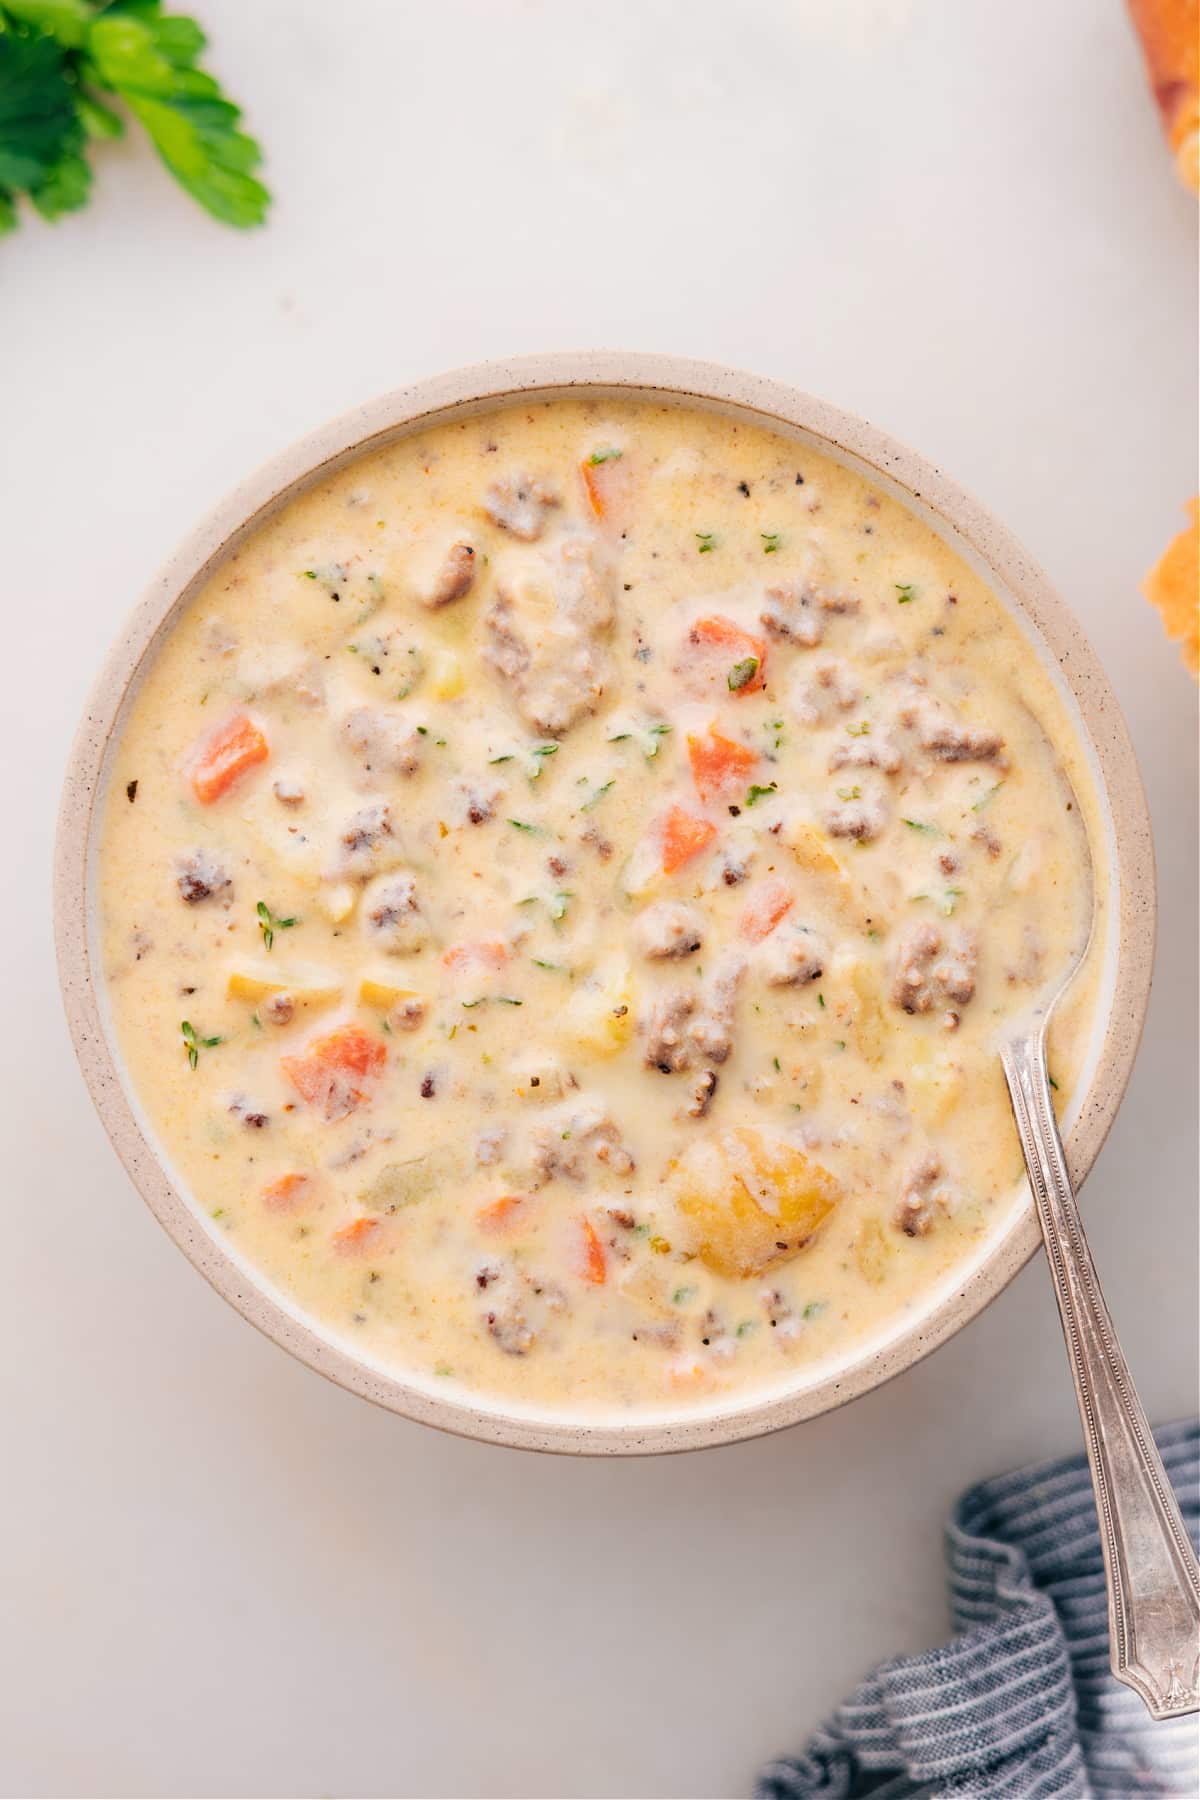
(1020, 1705)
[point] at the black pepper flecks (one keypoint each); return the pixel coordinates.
(131, 788)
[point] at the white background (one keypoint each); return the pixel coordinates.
(222, 1575)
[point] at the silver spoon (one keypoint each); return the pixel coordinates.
(1153, 1579)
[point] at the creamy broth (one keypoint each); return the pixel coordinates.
(562, 883)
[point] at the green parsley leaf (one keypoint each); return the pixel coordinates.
(905, 593)
(920, 825)
(771, 542)
(756, 793)
(605, 455)
(852, 793)
(742, 672)
(40, 134)
(707, 541)
(862, 729)
(522, 825)
(149, 58)
(56, 59)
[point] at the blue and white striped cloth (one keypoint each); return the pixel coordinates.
(1021, 1704)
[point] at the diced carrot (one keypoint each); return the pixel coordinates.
(358, 1236)
(688, 1372)
(765, 910)
(606, 481)
(718, 764)
(594, 1268)
(743, 658)
(286, 1192)
(684, 836)
(487, 953)
(331, 1071)
(498, 1213)
(223, 757)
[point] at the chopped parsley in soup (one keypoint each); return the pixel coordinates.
(562, 883)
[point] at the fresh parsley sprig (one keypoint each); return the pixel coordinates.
(57, 57)
(268, 924)
(193, 1044)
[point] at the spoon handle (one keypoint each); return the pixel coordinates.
(1153, 1580)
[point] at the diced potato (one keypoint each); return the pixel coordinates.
(934, 1083)
(598, 1018)
(400, 1184)
(873, 1250)
(446, 679)
(337, 902)
(812, 849)
(647, 1286)
(537, 1075)
(867, 1020)
(750, 1200)
(250, 983)
(374, 990)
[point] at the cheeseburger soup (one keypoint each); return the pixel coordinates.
(562, 884)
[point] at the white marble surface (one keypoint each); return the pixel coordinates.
(223, 1576)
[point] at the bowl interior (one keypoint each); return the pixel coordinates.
(1105, 776)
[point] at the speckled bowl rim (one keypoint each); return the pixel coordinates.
(772, 403)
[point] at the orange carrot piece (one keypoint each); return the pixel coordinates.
(223, 757)
(286, 1192)
(332, 1069)
(595, 1268)
(606, 483)
(737, 649)
(488, 953)
(498, 1213)
(684, 836)
(593, 482)
(359, 1235)
(765, 910)
(718, 764)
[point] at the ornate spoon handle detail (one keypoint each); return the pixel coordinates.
(1153, 1581)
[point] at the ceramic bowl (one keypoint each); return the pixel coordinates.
(1121, 849)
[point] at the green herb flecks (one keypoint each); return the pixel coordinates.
(656, 734)
(950, 899)
(771, 542)
(597, 795)
(742, 673)
(862, 729)
(539, 753)
(525, 826)
(922, 826)
(707, 541)
(268, 924)
(193, 1043)
(558, 904)
(986, 799)
(606, 454)
(851, 793)
(756, 793)
(906, 593)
